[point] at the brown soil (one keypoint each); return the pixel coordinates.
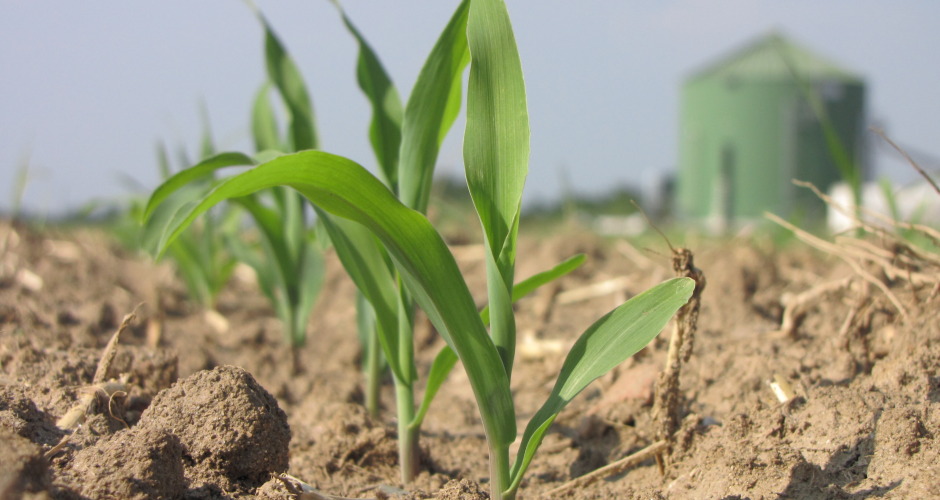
(209, 414)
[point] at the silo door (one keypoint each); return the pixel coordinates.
(725, 198)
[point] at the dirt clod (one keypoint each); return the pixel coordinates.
(232, 430)
(24, 470)
(138, 463)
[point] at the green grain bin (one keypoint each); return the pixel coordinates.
(748, 129)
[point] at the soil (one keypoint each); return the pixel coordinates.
(198, 409)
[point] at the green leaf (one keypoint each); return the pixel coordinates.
(345, 189)
(312, 273)
(270, 224)
(432, 107)
(446, 359)
(385, 128)
(364, 260)
(268, 276)
(536, 281)
(496, 144)
(206, 145)
(264, 129)
(496, 155)
(289, 82)
(615, 337)
(443, 363)
(185, 177)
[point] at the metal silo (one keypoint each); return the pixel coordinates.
(747, 129)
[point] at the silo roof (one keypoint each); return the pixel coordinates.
(769, 58)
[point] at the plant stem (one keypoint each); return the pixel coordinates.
(373, 374)
(499, 472)
(407, 434)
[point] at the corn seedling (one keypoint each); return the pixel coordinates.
(200, 255)
(290, 265)
(496, 157)
(406, 143)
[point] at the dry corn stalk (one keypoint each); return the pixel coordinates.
(666, 410)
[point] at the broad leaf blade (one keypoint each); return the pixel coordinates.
(431, 110)
(187, 176)
(496, 156)
(496, 144)
(608, 342)
(385, 128)
(287, 78)
(365, 262)
(264, 129)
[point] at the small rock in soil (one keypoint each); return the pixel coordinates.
(462, 489)
(233, 431)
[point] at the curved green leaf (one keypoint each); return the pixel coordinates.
(364, 261)
(287, 78)
(496, 144)
(431, 110)
(446, 359)
(345, 189)
(496, 155)
(385, 129)
(608, 342)
(536, 281)
(264, 129)
(184, 177)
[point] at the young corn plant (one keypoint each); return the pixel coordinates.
(200, 255)
(290, 266)
(406, 143)
(496, 157)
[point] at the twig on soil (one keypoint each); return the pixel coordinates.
(907, 157)
(837, 251)
(303, 491)
(928, 231)
(593, 290)
(795, 306)
(57, 448)
(107, 356)
(611, 469)
(90, 394)
(666, 411)
(99, 387)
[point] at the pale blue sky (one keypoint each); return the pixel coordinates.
(87, 88)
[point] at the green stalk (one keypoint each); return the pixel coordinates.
(408, 453)
(372, 363)
(373, 375)
(500, 478)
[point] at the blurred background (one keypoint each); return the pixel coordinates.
(87, 89)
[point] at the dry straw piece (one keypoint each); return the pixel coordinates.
(108, 390)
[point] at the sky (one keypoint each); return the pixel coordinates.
(87, 89)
